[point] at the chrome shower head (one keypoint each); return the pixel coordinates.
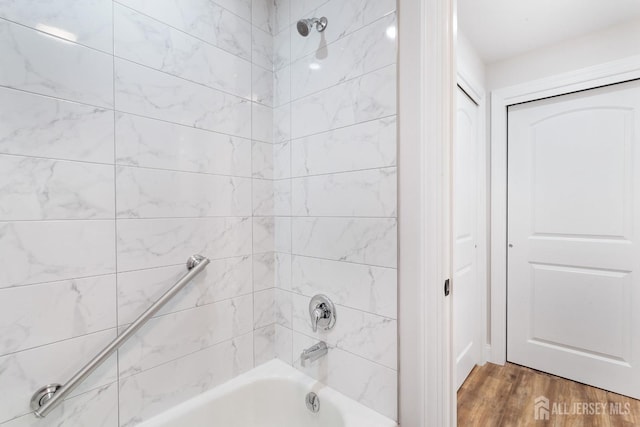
(305, 25)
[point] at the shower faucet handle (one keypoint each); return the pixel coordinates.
(322, 312)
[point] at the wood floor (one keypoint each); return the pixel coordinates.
(494, 396)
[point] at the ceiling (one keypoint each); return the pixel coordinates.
(501, 29)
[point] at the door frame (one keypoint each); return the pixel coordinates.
(561, 84)
(426, 81)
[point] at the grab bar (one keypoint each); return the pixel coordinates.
(48, 397)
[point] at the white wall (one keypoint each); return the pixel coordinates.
(126, 146)
(334, 206)
(469, 65)
(597, 48)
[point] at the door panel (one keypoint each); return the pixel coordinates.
(466, 303)
(580, 171)
(574, 221)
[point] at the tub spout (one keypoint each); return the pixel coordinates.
(314, 352)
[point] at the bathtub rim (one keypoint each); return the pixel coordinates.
(354, 413)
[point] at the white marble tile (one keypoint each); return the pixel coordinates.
(146, 41)
(262, 48)
(24, 372)
(281, 160)
(262, 86)
(366, 145)
(242, 8)
(304, 7)
(362, 193)
(370, 241)
(203, 19)
(262, 160)
(261, 122)
(87, 22)
(280, 15)
(281, 48)
(82, 306)
(151, 392)
(271, 197)
(283, 344)
(176, 100)
(37, 189)
(264, 308)
(282, 197)
(34, 125)
(368, 288)
(156, 144)
(272, 341)
(282, 274)
(271, 234)
(272, 269)
(152, 193)
(282, 86)
(282, 234)
(263, 197)
(34, 252)
(175, 335)
(369, 383)
(282, 123)
(37, 62)
(366, 335)
(369, 97)
(148, 243)
(363, 51)
(264, 230)
(283, 308)
(344, 17)
(264, 340)
(96, 408)
(271, 16)
(262, 14)
(222, 279)
(264, 270)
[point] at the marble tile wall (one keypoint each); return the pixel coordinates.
(328, 209)
(134, 133)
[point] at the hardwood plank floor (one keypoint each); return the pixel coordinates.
(496, 396)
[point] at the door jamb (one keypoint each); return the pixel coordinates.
(586, 78)
(426, 80)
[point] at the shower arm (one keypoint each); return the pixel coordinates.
(48, 397)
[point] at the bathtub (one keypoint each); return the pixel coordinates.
(270, 395)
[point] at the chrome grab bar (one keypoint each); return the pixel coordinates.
(48, 397)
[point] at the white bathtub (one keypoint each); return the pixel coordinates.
(271, 395)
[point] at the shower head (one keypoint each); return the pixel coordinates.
(305, 25)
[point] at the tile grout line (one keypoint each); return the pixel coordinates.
(113, 273)
(125, 324)
(342, 349)
(115, 203)
(200, 39)
(345, 306)
(224, 341)
(251, 161)
(290, 169)
(292, 138)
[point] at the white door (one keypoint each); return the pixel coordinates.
(574, 235)
(466, 295)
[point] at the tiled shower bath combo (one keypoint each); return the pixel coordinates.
(136, 133)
